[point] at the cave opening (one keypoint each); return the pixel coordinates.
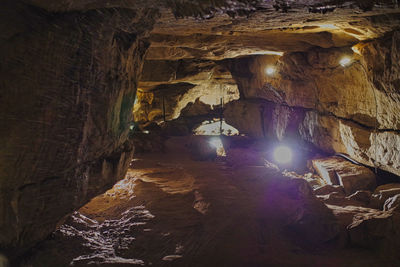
(200, 133)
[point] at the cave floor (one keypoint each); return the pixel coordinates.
(173, 211)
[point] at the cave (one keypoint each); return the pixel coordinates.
(200, 133)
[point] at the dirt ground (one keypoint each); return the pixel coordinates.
(173, 211)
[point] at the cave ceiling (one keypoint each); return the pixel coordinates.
(185, 48)
(219, 29)
(71, 72)
(266, 32)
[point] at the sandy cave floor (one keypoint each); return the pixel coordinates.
(173, 211)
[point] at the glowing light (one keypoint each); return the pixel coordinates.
(217, 143)
(328, 26)
(268, 52)
(270, 70)
(213, 128)
(283, 155)
(356, 50)
(345, 61)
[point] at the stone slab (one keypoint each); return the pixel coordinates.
(338, 171)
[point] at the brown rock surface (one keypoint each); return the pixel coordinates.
(304, 77)
(201, 148)
(69, 72)
(377, 230)
(240, 113)
(267, 119)
(326, 168)
(327, 189)
(355, 180)
(383, 193)
(333, 135)
(223, 37)
(335, 170)
(362, 196)
(384, 187)
(339, 199)
(244, 157)
(310, 79)
(249, 208)
(392, 204)
(172, 85)
(68, 84)
(346, 214)
(305, 215)
(315, 80)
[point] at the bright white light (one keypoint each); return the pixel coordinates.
(270, 70)
(356, 50)
(217, 143)
(328, 26)
(283, 155)
(267, 52)
(213, 128)
(345, 61)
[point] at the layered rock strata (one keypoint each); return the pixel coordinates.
(68, 83)
(351, 109)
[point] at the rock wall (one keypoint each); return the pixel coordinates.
(181, 83)
(342, 106)
(69, 72)
(68, 83)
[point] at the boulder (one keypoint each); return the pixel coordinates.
(378, 230)
(392, 204)
(366, 229)
(339, 199)
(354, 181)
(338, 171)
(302, 214)
(313, 180)
(344, 215)
(333, 198)
(387, 187)
(327, 189)
(383, 193)
(361, 196)
(332, 134)
(326, 168)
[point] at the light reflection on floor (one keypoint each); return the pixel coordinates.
(172, 211)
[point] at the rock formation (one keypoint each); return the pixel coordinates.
(70, 70)
(68, 86)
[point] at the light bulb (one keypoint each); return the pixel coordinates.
(283, 154)
(270, 70)
(345, 61)
(328, 26)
